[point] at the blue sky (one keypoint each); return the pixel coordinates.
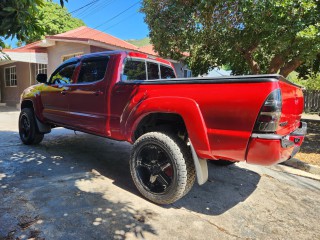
(128, 25)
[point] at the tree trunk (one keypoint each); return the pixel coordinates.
(247, 54)
(290, 66)
(254, 66)
(276, 63)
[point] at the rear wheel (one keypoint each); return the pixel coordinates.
(27, 127)
(162, 167)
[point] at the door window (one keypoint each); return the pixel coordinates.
(93, 70)
(63, 75)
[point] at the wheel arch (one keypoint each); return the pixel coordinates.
(184, 109)
(41, 127)
(158, 121)
(27, 103)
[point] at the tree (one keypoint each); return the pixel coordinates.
(53, 19)
(310, 81)
(7, 46)
(309, 70)
(17, 18)
(265, 36)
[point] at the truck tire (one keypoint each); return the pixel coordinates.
(28, 129)
(162, 167)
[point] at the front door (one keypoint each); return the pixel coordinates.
(87, 97)
(54, 94)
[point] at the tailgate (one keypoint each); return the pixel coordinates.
(292, 107)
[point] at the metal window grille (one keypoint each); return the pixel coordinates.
(41, 68)
(10, 76)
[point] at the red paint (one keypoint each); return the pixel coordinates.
(267, 152)
(292, 108)
(219, 116)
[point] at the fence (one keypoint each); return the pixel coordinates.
(311, 100)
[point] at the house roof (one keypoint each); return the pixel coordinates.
(86, 34)
(32, 47)
(148, 49)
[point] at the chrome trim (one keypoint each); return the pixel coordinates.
(295, 150)
(301, 131)
(266, 136)
(285, 143)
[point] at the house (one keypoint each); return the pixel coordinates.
(44, 56)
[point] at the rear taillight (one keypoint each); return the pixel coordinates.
(269, 116)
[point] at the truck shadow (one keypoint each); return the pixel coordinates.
(53, 189)
(227, 186)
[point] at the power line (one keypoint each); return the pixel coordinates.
(110, 19)
(90, 3)
(69, 13)
(135, 13)
(93, 9)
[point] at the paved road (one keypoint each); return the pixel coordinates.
(79, 187)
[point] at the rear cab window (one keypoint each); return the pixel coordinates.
(153, 70)
(167, 72)
(143, 69)
(134, 70)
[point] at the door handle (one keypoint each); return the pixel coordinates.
(98, 93)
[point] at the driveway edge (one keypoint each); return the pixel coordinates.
(296, 163)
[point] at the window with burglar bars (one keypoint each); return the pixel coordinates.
(10, 76)
(41, 68)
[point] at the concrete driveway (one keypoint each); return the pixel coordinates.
(78, 186)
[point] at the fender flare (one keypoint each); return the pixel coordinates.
(187, 108)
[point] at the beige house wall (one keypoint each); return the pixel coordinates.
(60, 49)
(11, 95)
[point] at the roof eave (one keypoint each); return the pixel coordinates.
(28, 57)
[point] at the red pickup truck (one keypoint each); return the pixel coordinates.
(174, 124)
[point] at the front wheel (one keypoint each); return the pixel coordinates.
(162, 167)
(27, 127)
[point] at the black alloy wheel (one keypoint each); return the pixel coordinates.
(162, 167)
(25, 127)
(28, 129)
(154, 169)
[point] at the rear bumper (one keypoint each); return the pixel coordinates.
(268, 149)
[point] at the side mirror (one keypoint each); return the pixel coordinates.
(42, 78)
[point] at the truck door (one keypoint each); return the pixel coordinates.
(54, 94)
(87, 96)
